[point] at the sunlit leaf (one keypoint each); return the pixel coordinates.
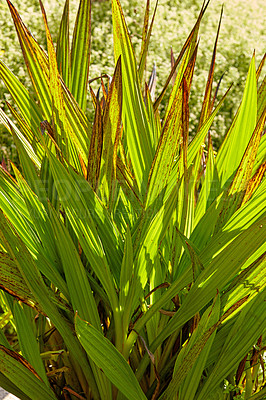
(108, 358)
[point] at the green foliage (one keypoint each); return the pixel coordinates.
(131, 259)
(174, 19)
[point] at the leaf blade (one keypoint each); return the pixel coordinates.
(80, 53)
(108, 358)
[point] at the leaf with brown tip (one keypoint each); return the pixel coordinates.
(255, 182)
(236, 192)
(187, 48)
(80, 53)
(146, 35)
(169, 141)
(18, 369)
(207, 103)
(259, 69)
(12, 282)
(111, 137)
(36, 62)
(62, 128)
(136, 126)
(62, 46)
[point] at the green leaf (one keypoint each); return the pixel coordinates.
(12, 388)
(126, 182)
(11, 127)
(84, 210)
(249, 282)
(111, 137)
(95, 152)
(245, 121)
(236, 192)
(34, 138)
(45, 252)
(80, 53)
(187, 51)
(153, 233)
(184, 223)
(217, 272)
(146, 35)
(79, 288)
(190, 363)
(108, 358)
(198, 140)
(154, 118)
(38, 66)
(221, 269)
(40, 291)
(136, 126)
(185, 71)
(197, 266)
(259, 395)
(167, 150)
(62, 46)
(30, 111)
(239, 221)
(210, 184)
(207, 102)
(13, 205)
(262, 97)
(29, 171)
(126, 270)
(248, 325)
(144, 263)
(194, 146)
(13, 282)
(62, 129)
(18, 370)
(3, 339)
(27, 342)
(76, 278)
(36, 62)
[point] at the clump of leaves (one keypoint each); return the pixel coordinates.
(131, 260)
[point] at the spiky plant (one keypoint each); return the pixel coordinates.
(131, 259)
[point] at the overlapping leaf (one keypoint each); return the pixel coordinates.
(28, 343)
(40, 291)
(248, 323)
(241, 130)
(108, 358)
(84, 210)
(137, 128)
(111, 137)
(62, 47)
(80, 53)
(189, 369)
(17, 369)
(38, 66)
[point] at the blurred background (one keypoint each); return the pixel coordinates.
(242, 32)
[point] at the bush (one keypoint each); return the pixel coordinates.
(131, 259)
